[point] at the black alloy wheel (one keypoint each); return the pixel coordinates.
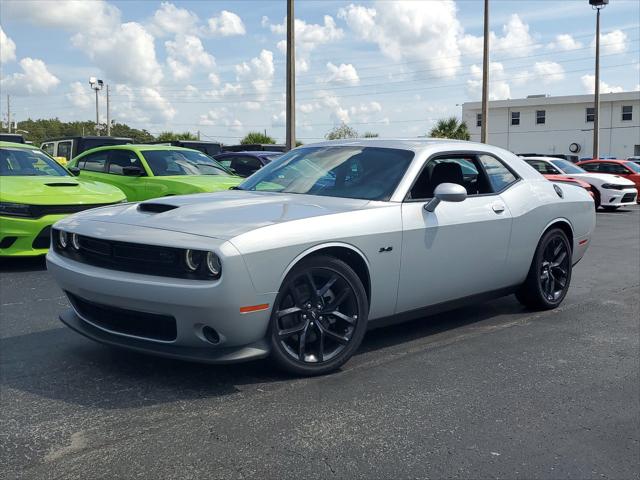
(549, 276)
(319, 317)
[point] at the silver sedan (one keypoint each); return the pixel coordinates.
(329, 240)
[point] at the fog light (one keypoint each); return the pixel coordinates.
(62, 239)
(75, 241)
(211, 335)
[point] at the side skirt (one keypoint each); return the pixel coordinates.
(439, 308)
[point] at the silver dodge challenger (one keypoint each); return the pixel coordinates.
(329, 240)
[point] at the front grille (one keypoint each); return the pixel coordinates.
(43, 239)
(128, 322)
(38, 211)
(628, 197)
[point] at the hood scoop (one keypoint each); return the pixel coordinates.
(62, 184)
(155, 207)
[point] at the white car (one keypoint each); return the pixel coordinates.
(611, 191)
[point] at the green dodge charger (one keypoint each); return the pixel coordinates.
(36, 192)
(150, 171)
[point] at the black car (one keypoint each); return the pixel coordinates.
(246, 163)
(210, 148)
(255, 147)
(11, 137)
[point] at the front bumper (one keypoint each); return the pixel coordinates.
(618, 198)
(192, 304)
(25, 236)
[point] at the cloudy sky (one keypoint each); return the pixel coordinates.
(218, 67)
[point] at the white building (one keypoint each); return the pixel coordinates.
(544, 124)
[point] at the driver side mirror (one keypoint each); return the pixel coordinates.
(446, 192)
(75, 171)
(132, 171)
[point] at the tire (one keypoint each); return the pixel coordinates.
(316, 333)
(596, 199)
(610, 209)
(548, 270)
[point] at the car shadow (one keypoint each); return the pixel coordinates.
(23, 264)
(61, 365)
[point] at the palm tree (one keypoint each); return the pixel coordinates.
(450, 128)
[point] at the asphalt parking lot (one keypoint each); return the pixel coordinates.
(486, 391)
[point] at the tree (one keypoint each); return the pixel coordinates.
(370, 135)
(341, 131)
(257, 138)
(450, 128)
(170, 136)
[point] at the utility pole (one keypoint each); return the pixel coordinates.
(108, 115)
(96, 85)
(9, 113)
(198, 134)
(598, 5)
(291, 78)
(484, 126)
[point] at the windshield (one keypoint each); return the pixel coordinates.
(22, 162)
(633, 166)
(182, 162)
(348, 172)
(567, 167)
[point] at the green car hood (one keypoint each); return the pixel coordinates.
(49, 190)
(207, 183)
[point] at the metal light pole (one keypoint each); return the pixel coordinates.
(291, 78)
(597, 5)
(96, 85)
(108, 115)
(484, 126)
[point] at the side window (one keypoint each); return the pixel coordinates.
(500, 176)
(245, 166)
(463, 170)
(613, 168)
(591, 167)
(225, 162)
(94, 162)
(543, 167)
(64, 150)
(48, 148)
(118, 159)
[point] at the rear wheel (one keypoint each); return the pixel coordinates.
(319, 317)
(549, 276)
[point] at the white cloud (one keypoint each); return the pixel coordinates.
(564, 42)
(146, 105)
(7, 48)
(259, 71)
(184, 54)
(279, 119)
(515, 40)
(548, 72)
(171, 20)
(410, 31)
(221, 117)
(366, 108)
(589, 85)
(498, 87)
(226, 24)
(80, 95)
(127, 54)
(339, 114)
(344, 74)
(309, 36)
(612, 42)
(35, 79)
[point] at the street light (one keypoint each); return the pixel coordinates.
(96, 85)
(597, 5)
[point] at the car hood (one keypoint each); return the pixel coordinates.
(223, 215)
(206, 183)
(49, 190)
(604, 177)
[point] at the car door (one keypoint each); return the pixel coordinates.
(133, 187)
(459, 249)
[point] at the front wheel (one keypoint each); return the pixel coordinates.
(610, 209)
(319, 317)
(549, 276)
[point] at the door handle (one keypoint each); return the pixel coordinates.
(498, 207)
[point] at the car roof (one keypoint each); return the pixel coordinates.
(546, 159)
(141, 147)
(610, 160)
(18, 145)
(259, 153)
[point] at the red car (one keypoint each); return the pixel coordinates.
(570, 181)
(623, 168)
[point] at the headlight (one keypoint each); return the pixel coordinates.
(611, 186)
(63, 239)
(15, 209)
(214, 267)
(192, 259)
(75, 243)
